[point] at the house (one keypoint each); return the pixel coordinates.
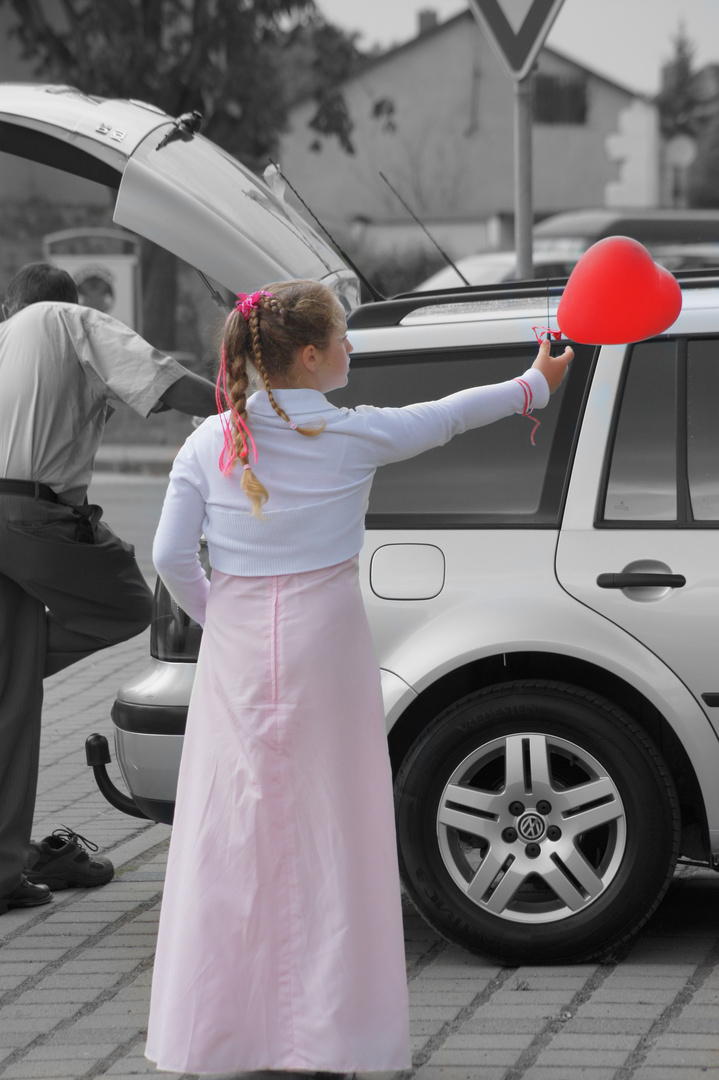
(435, 115)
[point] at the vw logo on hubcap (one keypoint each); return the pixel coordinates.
(531, 827)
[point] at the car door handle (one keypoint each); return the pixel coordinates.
(641, 581)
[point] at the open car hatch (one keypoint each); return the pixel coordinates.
(173, 187)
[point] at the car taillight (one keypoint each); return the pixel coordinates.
(173, 634)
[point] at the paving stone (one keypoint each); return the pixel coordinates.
(700, 1019)
(24, 1024)
(80, 1052)
(584, 1057)
(432, 1012)
(655, 981)
(32, 951)
(10, 1041)
(683, 1058)
(520, 1012)
(42, 1010)
(501, 1024)
(635, 995)
(72, 1036)
(571, 1072)
(476, 1057)
(671, 1072)
(677, 969)
(463, 1040)
(625, 1010)
(523, 998)
(446, 998)
(93, 963)
(423, 1027)
(64, 979)
(697, 1040)
(548, 972)
(563, 982)
(618, 1025)
(39, 1070)
(601, 1043)
(146, 942)
(466, 1072)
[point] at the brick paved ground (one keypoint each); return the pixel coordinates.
(74, 976)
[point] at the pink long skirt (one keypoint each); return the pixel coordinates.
(281, 942)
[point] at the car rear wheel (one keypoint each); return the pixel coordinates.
(537, 822)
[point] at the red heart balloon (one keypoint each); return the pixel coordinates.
(616, 294)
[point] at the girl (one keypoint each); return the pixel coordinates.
(281, 942)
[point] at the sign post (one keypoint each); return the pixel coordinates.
(516, 30)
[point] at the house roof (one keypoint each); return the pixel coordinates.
(441, 27)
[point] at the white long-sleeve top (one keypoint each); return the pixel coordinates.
(318, 487)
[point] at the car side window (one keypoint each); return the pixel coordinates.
(642, 478)
(664, 465)
(490, 476)
(703, 428)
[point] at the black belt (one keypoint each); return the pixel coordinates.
(29, 487)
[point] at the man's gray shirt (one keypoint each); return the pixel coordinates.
(60, 366)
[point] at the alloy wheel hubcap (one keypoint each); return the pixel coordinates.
(531, 828)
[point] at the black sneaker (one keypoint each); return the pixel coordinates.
(61, 862)
(25, 895)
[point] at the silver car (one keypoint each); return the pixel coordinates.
(543, 603)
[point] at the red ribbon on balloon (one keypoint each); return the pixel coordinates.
(617, 294)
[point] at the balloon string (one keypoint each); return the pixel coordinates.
(527, 410)
(539, 333)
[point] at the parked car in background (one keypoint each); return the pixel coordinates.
(543, 601)
(678, 239)
(495, 266)
(573, 232)
(678, 257)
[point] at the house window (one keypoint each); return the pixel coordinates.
(560, 99)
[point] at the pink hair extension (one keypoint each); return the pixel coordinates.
(229, 450)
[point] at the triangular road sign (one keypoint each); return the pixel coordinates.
(516, 29)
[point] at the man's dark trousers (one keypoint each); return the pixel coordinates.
(68, 587)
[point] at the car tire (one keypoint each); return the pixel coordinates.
(537, 823)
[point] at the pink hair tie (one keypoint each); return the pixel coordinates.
(247, 301)
(246, 466)
(293, 425)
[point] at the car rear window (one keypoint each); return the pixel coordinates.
(491, 476)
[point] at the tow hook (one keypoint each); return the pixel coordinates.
(97, 753)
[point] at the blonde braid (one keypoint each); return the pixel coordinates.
(254, 323)
(237, 384)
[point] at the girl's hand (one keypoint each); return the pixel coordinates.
(552, 367)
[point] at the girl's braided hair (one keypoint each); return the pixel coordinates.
(283, 317)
